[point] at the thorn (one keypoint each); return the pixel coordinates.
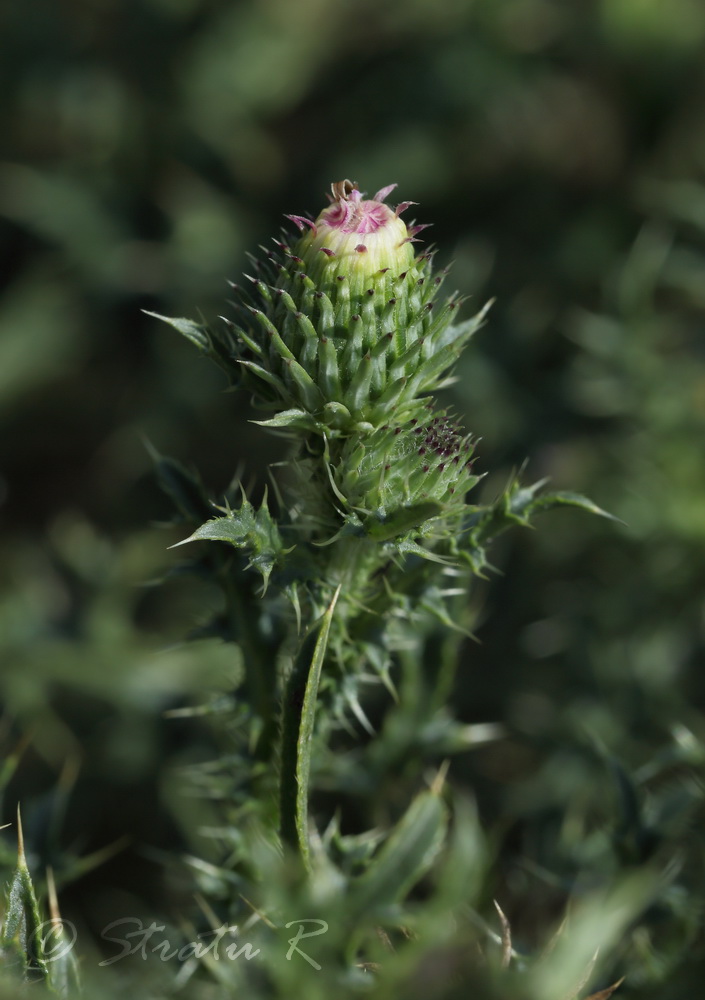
(361, 248)
(605, 994)
(54, 913)
(440, 779)
(325, 250)
(259, 913)
(20, 839)
(506, 936)
(402, 207)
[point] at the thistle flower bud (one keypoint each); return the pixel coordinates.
(343, 331)
(400, 467)
(358, 240)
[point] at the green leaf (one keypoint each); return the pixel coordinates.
(22, 927)
(289, 418)
(305, 738)
(298, 717)
(195, 332)
(183, 486)
(563, 498)
(405, 857)
(58, 941)
(515, 506)
(252, 530)
(236, 529)
(220, 347)
(464, 862)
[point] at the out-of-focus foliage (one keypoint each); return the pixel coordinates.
(560, 150)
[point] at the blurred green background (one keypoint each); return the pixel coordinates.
(559, 149)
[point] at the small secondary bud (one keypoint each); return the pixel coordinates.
(401, 466)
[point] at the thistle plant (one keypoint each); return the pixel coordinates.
(340, 335)
(354, 568)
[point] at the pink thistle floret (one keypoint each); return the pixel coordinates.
(355, 215)
(357, 235)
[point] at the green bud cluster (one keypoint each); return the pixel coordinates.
(399, 467)
(342, 329)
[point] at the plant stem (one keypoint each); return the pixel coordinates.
(258, 672)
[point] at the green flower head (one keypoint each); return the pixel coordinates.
(343, 332)
(400, 466)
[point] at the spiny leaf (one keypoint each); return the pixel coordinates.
(564, 498)
(246, 528)
(459, 878)
(515, 506)
(218, 348)
(183, 486)
(305, 738)
(64, 975)
(194, 332)
(404, 858)
(22, 926)
(236, 528)
(298, 718)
